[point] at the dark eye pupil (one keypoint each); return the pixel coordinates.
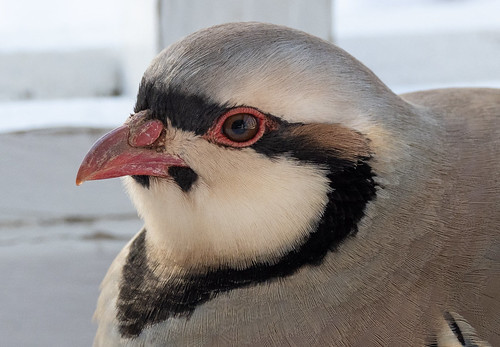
(241, 127)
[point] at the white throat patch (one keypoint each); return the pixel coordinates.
(244, 207)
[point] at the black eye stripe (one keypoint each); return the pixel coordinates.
(196, 113)
(191, 113)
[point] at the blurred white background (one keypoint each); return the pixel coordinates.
(67, 62)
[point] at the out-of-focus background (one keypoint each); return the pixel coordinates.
(70, 69)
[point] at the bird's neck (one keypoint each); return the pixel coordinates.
(168, 289)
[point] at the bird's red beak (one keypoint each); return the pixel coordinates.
(135, 148)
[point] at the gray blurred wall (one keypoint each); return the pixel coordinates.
(181, 17)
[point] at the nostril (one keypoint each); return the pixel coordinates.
(145, 134)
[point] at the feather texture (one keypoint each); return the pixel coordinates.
(403, 191)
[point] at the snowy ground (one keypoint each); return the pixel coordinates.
(57, 240)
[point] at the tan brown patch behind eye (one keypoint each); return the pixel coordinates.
(347, 143)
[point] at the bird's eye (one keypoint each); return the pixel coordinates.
(241, 127)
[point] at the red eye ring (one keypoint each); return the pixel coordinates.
(217, 134)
